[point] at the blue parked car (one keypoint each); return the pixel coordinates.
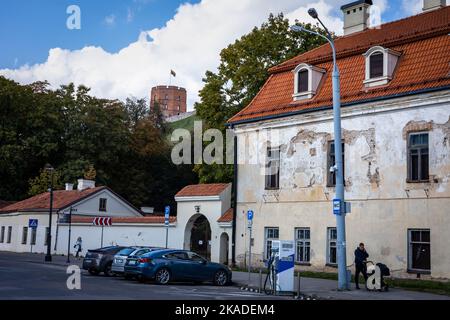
(168, 265)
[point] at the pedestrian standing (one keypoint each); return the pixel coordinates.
(361, 256)
(78, 247)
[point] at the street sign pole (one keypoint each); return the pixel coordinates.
(250, 256)
(101, 245)
(166, 222)
(250, 225)
(32, 224)
(70, 233)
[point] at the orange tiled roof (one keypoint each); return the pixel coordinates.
(61, 198)
(207, 189)
(424, 64)
(114, 220)
(227, 216)
(4, 203)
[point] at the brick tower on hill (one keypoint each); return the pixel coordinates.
(171, 100)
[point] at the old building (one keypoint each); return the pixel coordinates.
(171, 100)
(395, 94)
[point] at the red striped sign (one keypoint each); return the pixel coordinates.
(102, 221)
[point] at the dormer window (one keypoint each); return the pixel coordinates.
(380, 66)
(302, 83)
(306, 80)
(376, 65)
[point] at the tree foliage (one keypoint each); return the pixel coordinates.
(242, 71)
(120, 144)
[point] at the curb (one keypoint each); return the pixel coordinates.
(294, 296)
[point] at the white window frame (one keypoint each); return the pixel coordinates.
(33, 236)
(24, 235)
(2, 234)
(100, 207)
(390, 59)
(330, 245)
(314, 77)
(410, 244)
(268, 240)
(304, 242)
(273, 163)
(9, 236)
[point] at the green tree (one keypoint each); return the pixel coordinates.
(41, 183)
(242, 71)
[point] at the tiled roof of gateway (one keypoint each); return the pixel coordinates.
(209, 189)
(227, 216)
(114, 220)
(61, 198)
(422, 40)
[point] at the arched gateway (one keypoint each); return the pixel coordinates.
(197, 236)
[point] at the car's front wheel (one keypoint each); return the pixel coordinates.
(93, 272)
(220, 278)
(162, 276)
(108, 272)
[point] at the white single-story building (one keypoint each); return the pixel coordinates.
(203, 222)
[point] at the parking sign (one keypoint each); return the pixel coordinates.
(166, 215)
(337, 206)
(250, 215)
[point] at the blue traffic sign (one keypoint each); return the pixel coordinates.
(166, 215)
(250, 215)
(337, 206)
(33, 223)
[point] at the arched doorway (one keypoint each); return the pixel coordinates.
(197, 236)
(224, 248)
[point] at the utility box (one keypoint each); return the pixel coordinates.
(284, 265)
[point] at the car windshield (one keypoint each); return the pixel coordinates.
(126, 252)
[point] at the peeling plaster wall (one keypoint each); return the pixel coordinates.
(384, 204)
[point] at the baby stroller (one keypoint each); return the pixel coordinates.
(384, 272)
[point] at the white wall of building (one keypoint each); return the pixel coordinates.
(212, 208)
(20, 220)
(384, 204)
(128, 234)
(115, 207)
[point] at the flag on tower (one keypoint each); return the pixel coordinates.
(173, 73)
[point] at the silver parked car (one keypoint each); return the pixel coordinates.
(121, 257)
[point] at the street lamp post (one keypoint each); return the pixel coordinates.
(338, 167)
(48, 256)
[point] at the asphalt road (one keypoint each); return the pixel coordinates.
(24, 278)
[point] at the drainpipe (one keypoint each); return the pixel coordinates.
(235, 181)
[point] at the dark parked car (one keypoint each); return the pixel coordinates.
(168, 265)
(100, 260)
(121, 257)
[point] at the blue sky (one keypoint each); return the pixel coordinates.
(31, 27)
(125, 47)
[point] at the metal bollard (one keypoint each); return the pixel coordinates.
(298, 284)
(260, 280)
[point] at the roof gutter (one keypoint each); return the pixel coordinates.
(328, 107)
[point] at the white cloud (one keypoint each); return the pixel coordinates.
(110, 20)
(412, 7)
(130, 15)
(333, 23)
(189, 43)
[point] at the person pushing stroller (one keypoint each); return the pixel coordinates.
(361, 256)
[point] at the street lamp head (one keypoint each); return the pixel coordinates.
(297, 28)
(49, 167)
(313, 13)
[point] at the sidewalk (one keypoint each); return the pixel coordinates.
(326, 289)
(39, 258)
